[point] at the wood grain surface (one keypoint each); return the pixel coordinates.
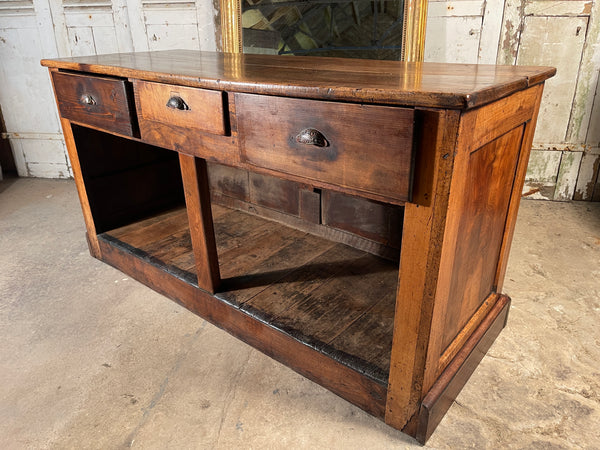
(331, 297)
(386, 82)
(368, 148)
(109, 107)
(202, 108)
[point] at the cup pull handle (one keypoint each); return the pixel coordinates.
(312, 136)
(176, 102)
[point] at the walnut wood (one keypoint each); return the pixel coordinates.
(300, 139)
(329, 296)
(163, 240)
(334, 234)
(500, 117)
(88, 218)
(197, 199)
(515, 199)
(446, 388)
(459, 341)
(389, 82)
(317, 362)
(110, 110)
(268, 127)
(488, 184)
(379, 222)
(454, 308)
(422, 243)
(82, 191)
(204, 108)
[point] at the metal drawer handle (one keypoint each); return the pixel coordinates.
(177, 103)
(311, 136)
(87, 99)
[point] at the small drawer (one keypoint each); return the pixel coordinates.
(184, 107)
(360, 147)
(96, 101)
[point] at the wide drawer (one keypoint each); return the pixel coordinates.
(96, 101)
(363, 148)
(184, 107)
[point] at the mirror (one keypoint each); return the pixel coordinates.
(366, 29)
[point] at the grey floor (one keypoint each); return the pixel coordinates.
(92, 359)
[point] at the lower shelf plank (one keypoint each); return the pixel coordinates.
(344, 381)
(329, 296)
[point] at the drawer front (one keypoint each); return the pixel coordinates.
(183, 107)
(361, 147)
(96, 101)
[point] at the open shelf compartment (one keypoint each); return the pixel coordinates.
(331, 297)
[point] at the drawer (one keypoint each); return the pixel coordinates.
(96, 101)
(183, 107)
(363, 148)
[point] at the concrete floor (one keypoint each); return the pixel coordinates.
(92, 359)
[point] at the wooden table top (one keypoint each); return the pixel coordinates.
(457, 86)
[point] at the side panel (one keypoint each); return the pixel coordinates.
(489, 180)
(483, 205)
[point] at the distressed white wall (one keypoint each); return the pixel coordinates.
(34, 29)
(565, 34)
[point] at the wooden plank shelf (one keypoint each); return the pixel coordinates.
(334, 298)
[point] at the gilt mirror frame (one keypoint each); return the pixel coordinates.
(413, 28)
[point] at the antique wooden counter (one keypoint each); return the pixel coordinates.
(446, 146)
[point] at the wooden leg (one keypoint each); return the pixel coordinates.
(419, 264)
(197, 199)
(91, 236)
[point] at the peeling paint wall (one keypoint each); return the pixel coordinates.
(565, 160)
(34, 29)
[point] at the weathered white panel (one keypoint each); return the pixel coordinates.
(122, 26)
(490, 32)
(588, 174)
(543, 166)
(460, 8)
(207, 37)
(49, 151)
(567, 176)
(170, 16)
(558, 8)
(593, 135)
(16, 7)
(60, 28)
(48, 170)
(19, 157)
(91, 19)
(554, 41)
(25, 93)
(105, 40)
(581, 118)
(542, 173)
(40, 158)
(137, 25)
(87, 5)
(206, 16)
(15, 22)
(82, 41)
(510, 32)
(45, 28)
(452, 39)
(172, 37)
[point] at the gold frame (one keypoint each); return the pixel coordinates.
(413, 31)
